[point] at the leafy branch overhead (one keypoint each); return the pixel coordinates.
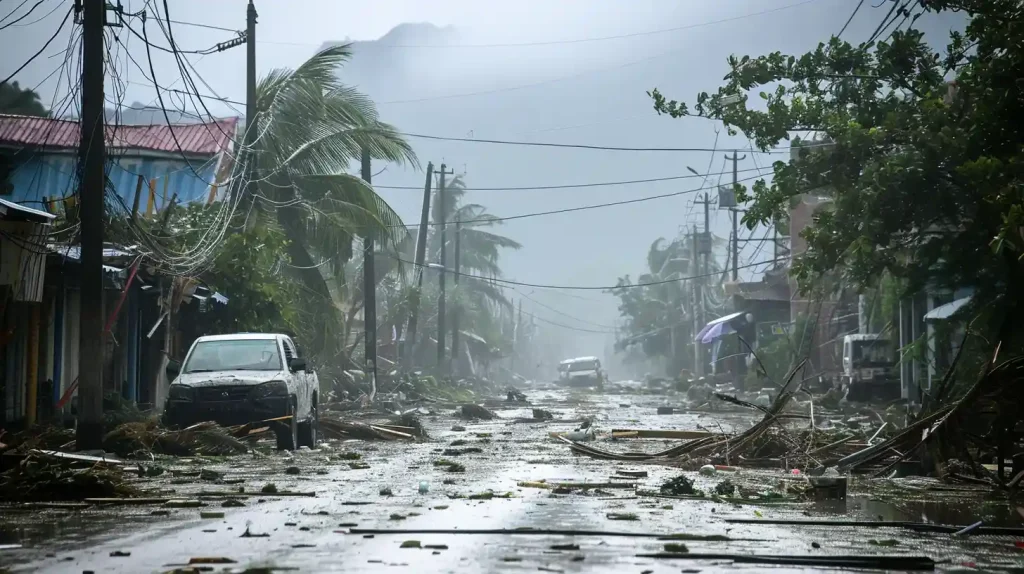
(923, 175)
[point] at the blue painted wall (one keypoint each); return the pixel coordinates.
(48, 174)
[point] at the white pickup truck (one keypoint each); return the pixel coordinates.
(243, 378)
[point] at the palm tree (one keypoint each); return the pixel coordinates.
(656, 317)
(309, 129)
(477, 300)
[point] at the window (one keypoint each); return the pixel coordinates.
(578, 366)
(289, 351)
(234, 355)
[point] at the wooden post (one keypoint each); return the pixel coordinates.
(138, 192)
(32, 396)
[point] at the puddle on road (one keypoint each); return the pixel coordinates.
(951, 512)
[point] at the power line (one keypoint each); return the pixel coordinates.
(41, 50)
(580, 208)
(573, 185)
(22, 17)
(562, 313)
(571, 328)
(596, 147)
(570, 287)
(850, 19)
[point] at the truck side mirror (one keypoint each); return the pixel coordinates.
(173, 368)
(297, 364)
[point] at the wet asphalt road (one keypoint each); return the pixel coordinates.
(312, 534)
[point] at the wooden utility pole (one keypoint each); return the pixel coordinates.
(92, 184)
(421, 253)
(698, 362)
(456, 315)
(441, 322)
(369, 291)
(735, 210)
(251, 125)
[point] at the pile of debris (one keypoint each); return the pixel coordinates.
(42, 476)
(333, 428)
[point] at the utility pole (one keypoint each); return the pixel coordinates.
(421, 254)
(701, 257)
(456, 315)
(250, 98)
(91, 157)
(515, 337)
(698, 363)
(369, 292)
(735, 210)
(441, 322)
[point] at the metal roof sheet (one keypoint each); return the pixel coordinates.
(199, 139)
(26, 212)
(948, 310)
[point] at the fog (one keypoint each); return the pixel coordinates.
(459, 68)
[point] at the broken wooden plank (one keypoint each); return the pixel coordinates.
(126, 501)
(661, 433)
(391, 432)
(79, 458)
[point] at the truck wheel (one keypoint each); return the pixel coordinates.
(288, 431)
(309, 431)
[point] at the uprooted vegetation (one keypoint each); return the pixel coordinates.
(41, 479)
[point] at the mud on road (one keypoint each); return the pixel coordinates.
(503, 476)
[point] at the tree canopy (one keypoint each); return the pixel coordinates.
(919, 151)
(20, 101)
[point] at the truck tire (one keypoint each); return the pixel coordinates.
(309, 431)
(288, 431)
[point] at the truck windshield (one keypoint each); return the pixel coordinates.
(872, 352)
(234, 355)
(583, 366)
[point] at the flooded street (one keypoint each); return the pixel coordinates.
(437, 520)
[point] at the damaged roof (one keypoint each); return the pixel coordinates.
(195, 139)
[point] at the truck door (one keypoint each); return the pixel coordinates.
(300, 377)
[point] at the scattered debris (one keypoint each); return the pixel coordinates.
(338, 429)
(725, 488)
(542, 415)
(472, 412)
(462, 451)
(42, 479)
(411, 544)
(679, 486)
(622, 516)
(293, 470)
(450, 466)
(211, 560)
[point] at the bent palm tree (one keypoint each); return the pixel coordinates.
(309, 129)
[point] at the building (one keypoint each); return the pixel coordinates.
(151, 167)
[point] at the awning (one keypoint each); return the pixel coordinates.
(719, 326)
(15, 211)
(943, 312)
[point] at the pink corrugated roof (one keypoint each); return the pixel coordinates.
(201, 139)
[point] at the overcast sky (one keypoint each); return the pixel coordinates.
(571, 84)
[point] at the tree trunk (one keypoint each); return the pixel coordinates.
(304, 268)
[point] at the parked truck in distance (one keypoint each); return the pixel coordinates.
(581, 372)
(869, 368)
(246, 377)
